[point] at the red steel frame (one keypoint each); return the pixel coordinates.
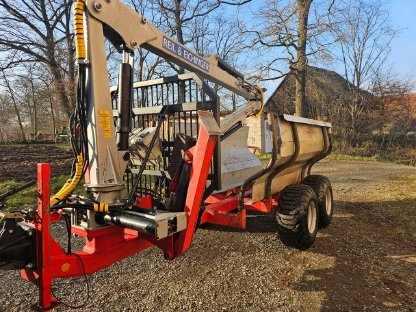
(109, 244)
(222, 209)
(106, 245)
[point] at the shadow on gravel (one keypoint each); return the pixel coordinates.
(261, 223)
(366, 241)
(257, 222)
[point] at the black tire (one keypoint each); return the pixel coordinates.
(297, 216)
(323, 190)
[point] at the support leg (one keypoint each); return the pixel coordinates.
(43, 242)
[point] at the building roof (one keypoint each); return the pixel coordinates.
(323, 87)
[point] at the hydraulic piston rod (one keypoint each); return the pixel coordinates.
(128, 221)
(124, 100)
(158, 223)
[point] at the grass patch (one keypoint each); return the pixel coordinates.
(63, 146)
(265, 156)
(339, 156)
(402, 188)
(332, 156)
(28, 197)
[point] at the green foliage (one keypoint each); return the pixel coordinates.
(264, 156)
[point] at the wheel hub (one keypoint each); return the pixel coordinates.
(328, 201)
(311, 217)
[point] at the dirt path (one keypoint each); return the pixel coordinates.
(364, 261)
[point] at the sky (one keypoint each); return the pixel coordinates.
(402, 57)
(403, 53)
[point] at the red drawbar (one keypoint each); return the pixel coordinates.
(223, 210)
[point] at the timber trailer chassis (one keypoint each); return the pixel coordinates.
(114, 230)
(107, 245)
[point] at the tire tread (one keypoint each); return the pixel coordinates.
(291, 216)
(319, 184)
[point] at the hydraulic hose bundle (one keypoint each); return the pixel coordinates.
(78, 119)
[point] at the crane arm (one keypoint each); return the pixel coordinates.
(127, 29)
(104, 146)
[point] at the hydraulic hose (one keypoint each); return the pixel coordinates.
(81, 54)
(70, 184)
(79, 9)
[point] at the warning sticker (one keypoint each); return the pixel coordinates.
(105, 122)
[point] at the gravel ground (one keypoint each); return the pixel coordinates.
(364, 261)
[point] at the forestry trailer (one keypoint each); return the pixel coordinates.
(158, 161)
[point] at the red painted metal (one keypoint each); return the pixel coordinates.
(229, 219)
(262, 206)
(227, 204)
(201, 160)
(145, 202)
(109, 244)
(103, 247)
(221, 209)
(43, 245)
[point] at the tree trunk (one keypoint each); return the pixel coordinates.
(55, 69)
(179, 35)
(300, 107)
(22, 131)
(19, 120)
(71, 58)
(234, 100)
(59, 86)
(53, 116)
(301, 66)
(35, 108)
(1, 135)
(178, 21)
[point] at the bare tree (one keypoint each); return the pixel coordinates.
(147, 63)
(364, 36)
(226, 42)
(179, 15)
(11, 93)
(287, 28)
(7, 118)
(39, 31)
(391, 107)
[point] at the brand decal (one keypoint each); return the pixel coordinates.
(185, 54)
